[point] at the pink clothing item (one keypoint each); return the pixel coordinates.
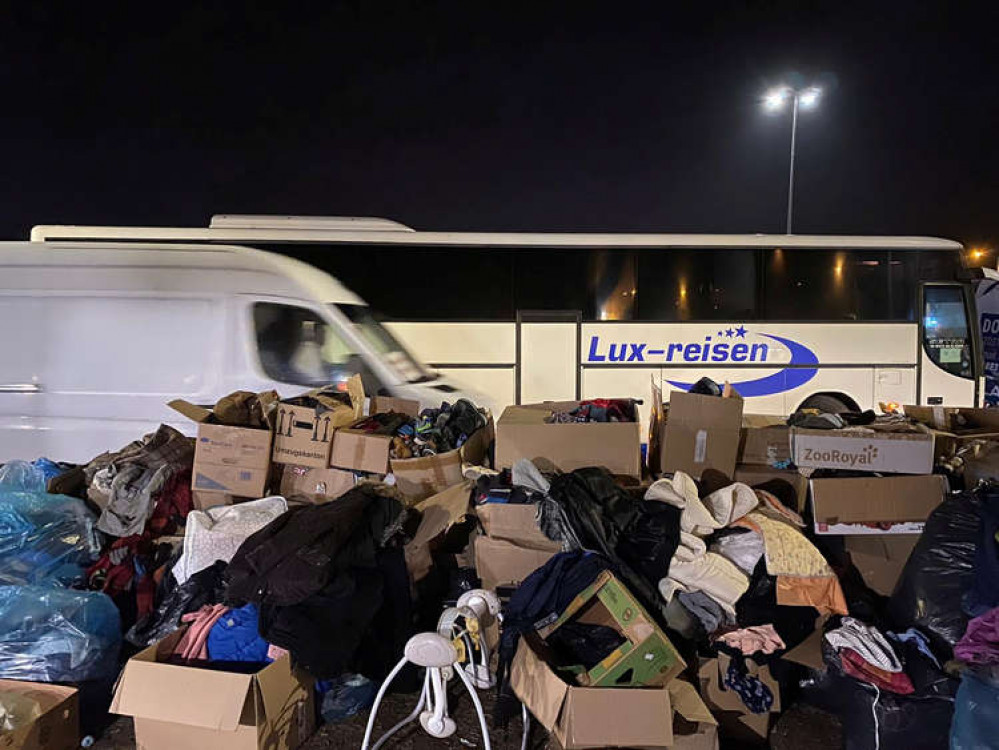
(193, 645)
(275, 652)
(754, 639)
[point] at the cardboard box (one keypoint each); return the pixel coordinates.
(315, 485)
(361, 451)
(523, 433)
(875, 505)
(953, 428)
(880, 559)
(306, 423)
(734, 718)
(501, 563)
(701, 432)
(176, 706)
(204, 500)
(58, 726)
(754, 476)
(765, 440)
(646, 658)
(515, 523)
(890, 452)
(437, 515)
(420, 478)
(694, 728)
(230, 460)
(386, 404)
(587, 717)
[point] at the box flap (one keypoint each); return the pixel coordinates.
(180, 695)
(441, 512)
(537, 686)
(609, 717)
(279, 689)
(876, 499)
(189, 410)
(688, 703)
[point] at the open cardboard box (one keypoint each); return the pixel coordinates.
(696, 432)
(593, 717)
(645, 658)
(387, 404)
(875, 505)
(420, 478)
(522, 432)
(228, 460)
(875, 451)
(952, 428)
(755, 475)
(765, 440)
(437, 515)
(880, 558)
(185, 707)
(356, 450)
(58, 726)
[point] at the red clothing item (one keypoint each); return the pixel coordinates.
(857, 667)
(172, 505)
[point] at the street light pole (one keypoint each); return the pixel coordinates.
(800, 98)
(790, 180)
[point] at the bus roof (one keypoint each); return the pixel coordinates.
(351, 230)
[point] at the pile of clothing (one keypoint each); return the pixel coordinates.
(598, 410)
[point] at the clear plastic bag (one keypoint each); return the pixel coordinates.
(43, 538)
(976, 712)
(50, 634)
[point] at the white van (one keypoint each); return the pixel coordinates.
(98, 337)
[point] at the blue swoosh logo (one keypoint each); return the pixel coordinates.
(785, 380)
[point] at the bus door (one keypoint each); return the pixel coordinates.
(950, 372)
(548, 355)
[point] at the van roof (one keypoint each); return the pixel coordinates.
(259, 271)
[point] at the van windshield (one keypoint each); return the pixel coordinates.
(379, 338)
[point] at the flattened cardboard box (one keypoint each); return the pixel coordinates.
(186, 707)
(515, 523)
(889, 452)
(765, 440)
(588, 717)
(523, 433)
(734, 718)
(500, 563)
(874, 505)
(58, 726)
(437, 514)
(701, 432)
(880, 559)
(315, 485)
(420, 478)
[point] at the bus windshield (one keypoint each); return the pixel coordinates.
(379, 338)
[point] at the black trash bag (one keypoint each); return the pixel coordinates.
(649, 543)
(204, 587)
(583, 644)
(939, 571)
(879, 719)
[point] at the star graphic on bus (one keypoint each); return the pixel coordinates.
(728, 333)
(741, 332)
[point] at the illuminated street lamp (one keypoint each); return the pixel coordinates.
(774, 101)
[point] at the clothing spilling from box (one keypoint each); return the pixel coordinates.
(239, 588)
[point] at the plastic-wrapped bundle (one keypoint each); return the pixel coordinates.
(939, 572)
(50, 634)
(43, 538)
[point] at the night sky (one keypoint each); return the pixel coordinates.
(542, 116)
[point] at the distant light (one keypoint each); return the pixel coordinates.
(977, 253)
(775, 98)
(809, 97)
(931, 322)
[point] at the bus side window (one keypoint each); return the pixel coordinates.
(946, 335)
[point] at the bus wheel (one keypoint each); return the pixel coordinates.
(830, 403)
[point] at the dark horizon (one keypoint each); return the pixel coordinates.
(449, 117)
